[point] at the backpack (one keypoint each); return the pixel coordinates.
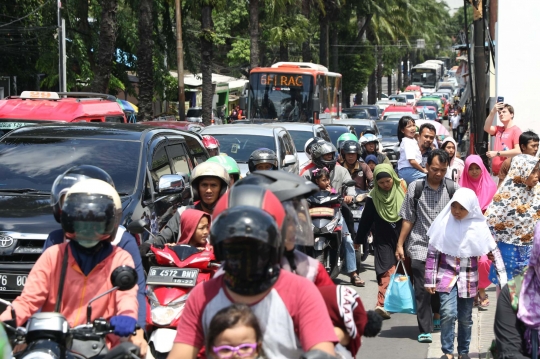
(419, 188)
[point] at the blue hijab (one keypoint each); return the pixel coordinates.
(371, 158)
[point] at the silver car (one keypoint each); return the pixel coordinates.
(239, 141)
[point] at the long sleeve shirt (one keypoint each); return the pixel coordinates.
(444, 271)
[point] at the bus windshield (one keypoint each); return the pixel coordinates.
(281, 97)
(424, 77)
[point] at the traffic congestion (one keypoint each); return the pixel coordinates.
(258, 235)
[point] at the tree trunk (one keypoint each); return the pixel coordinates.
(283, 51)
(372, 88)
(306, 49)
(107, 42)
(83, 27)
(406, 78)
(323, 46)
(334, 53)
(390, 84)
(145, 65)
(254, 33)
(379, 73)
(399, 75)
(206, 64)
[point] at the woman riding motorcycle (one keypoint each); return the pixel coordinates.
(90, 216)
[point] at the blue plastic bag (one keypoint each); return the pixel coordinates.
(399, 296)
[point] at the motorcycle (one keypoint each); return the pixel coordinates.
(48, 335)
(357, 208)
(326, 229)
(173, 272)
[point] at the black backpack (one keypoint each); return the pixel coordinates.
(419, 188)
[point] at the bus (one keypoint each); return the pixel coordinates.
(440, 63)
(293, 92)
(426, 75)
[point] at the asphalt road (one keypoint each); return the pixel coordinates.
(398, 337)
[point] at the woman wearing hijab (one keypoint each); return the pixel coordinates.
(455, 168)
(457, 237)
(514, 212)
(518, 309)
(476, 177)
(381, 216)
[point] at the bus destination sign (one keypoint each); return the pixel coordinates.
(281, 80)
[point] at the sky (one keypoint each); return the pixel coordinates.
(452, 4)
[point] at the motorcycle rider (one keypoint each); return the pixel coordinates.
(90, 216)
(230, 165)
(307, 150)
(122, 239)
(262, 159)
(211, 144)
(345, 137)
(358, 169)
(370, 146)
(248, 240)
(209, 181)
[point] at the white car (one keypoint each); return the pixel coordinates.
(383, 104)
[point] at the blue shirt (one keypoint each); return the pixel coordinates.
(129, 244)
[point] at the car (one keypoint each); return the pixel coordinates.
(402, 108)
(383, 104)
(446, 85)
(444, 95)
(194, 114)
(398, 98)
(300, 133)
(179, 125)
(335, 130)
(411, 97)
(373, 110)
(143, 162)
(37, 107)
(356, 112)
(239, 141)
(397, 115)
(390, 144)
(360, 126)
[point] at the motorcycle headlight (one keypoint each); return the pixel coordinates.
(38, 355)
(166, 314)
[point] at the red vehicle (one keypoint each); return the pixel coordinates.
(34, 107)
(399, 108)
(416, 89)
(178, 269)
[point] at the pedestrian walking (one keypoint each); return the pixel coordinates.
(455, 168)
(528, 144)
(381, 216)
(424, 200)
(457, 237)
(513, 214)
(454, 121)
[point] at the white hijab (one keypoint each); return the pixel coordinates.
(469, 237)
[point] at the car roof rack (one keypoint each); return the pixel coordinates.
(88, 95)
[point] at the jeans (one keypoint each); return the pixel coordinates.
(452, 308)
(410, 174)
(348, 247)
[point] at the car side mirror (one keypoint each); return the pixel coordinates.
(171, 184)
(289, 160)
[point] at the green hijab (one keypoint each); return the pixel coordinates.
(388, 203)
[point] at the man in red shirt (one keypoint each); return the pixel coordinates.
(506, 136)
(248, 240)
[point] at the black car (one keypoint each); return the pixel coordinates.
(356, 113)
(335, 131)
(137, 157)
(373, 110)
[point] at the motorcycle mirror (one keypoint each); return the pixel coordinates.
(137, 226)
(122, 278)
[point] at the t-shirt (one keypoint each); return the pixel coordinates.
(408, 150)
(455, 121)
(289, 315)
(504, 140)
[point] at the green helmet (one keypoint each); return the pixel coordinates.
(229, 163)
(346, 137)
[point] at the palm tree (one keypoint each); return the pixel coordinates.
(145, 65)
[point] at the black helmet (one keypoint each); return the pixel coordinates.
(350, 147)
(246, 236)
(320, 149)
(262, 155)
(209, 169)
(74, 175)
(91, 212)
(309, 144)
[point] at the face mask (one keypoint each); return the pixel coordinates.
(87, 244)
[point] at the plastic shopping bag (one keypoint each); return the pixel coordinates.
(399, 296)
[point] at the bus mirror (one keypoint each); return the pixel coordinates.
(316, 105)
(243, 102)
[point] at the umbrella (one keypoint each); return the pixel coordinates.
(439, 128)
(127, 106)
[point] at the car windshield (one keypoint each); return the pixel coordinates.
(359, 129)
(430, 115)
(388, 128)
(300, 138)
(30, 162)
(427, 103)
(359, 113)
(194, 112)
(240, 147)
(398, 99)
(335, 132)
(410, 96)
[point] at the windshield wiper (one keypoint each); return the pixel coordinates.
(24, 190)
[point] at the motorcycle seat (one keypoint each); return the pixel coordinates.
(321, 212)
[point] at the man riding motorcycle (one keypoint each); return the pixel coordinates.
(358, 169)
(211, 144)
(81, 268)
(262, 159)
(370, 146)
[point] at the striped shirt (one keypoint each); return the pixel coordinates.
(443, 272)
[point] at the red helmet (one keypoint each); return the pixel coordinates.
(211, 145)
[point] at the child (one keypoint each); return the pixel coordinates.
(195, 227)
(457, 237)
(321, 177)
(461, 131)
(372, 161)
(410, 157)
(234, 332)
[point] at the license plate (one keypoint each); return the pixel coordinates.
(170, 276)
(357, 212)
(12, 282)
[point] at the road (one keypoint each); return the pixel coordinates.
(398, 335)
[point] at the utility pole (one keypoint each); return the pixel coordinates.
(180, 62)
(480, 136)
(61, 48)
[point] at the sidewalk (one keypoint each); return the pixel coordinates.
(482, 331)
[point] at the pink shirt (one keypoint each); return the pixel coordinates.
(504, 140)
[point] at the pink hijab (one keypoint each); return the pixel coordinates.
(484, 186)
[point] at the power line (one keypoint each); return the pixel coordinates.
(27, 15)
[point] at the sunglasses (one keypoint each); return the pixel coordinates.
(243, 350)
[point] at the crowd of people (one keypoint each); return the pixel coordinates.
(453, 226)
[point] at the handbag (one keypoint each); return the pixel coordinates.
(399, 296)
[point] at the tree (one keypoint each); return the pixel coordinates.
(145, 64)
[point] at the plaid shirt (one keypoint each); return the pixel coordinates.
(444, 271)
(430, 204)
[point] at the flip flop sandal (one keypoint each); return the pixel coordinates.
(425, 338)
(357, 281)
(483, 302)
